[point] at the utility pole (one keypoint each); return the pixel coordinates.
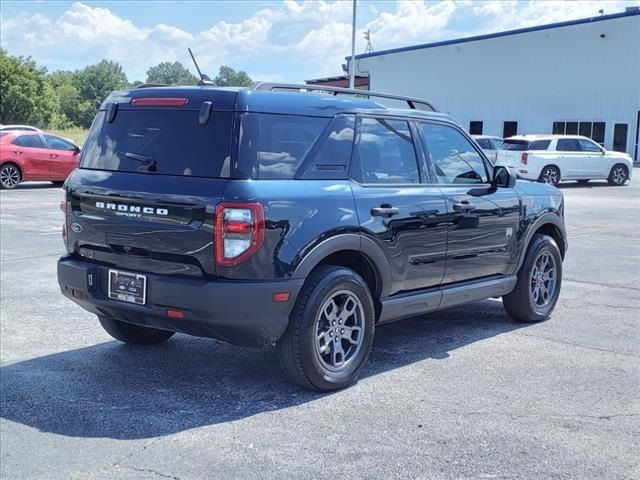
(352, 63)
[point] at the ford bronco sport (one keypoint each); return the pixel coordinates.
(275, 216)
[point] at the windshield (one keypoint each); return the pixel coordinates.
(160, 141)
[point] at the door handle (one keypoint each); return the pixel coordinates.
(463, 206)
(53, 155)
(17, 152)
(384, 210)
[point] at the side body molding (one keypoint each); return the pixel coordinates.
(348, 241)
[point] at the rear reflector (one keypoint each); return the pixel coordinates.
(77, 294)
(175, 314)
(281, 297)
(159, 102)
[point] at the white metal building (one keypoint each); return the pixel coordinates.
(575, 77)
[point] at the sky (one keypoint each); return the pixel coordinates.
(282, 40)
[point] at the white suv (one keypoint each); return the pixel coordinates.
(554, 158)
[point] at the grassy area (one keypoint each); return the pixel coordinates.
(77, 134)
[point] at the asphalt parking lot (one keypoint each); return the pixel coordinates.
(462, 394)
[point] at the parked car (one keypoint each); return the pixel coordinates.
(555, 158)
(489, 144)
(301, 220)
(27, 155)
(6, 128)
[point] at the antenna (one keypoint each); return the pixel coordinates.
(204, 78)
(367, 37)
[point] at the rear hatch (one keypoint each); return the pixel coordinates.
(153, 168)
(512, 150)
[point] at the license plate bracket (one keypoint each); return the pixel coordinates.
(128, 287)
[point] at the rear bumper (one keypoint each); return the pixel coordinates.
(242, 313)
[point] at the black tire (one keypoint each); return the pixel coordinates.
(550, 174)
(583, 182)
(619, 175)
(522, 303)
(134, 334)
(300, 350)
(10, 176)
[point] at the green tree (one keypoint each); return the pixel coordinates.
(25, 94)
(171, 74)
(93, 83)
(228, 77)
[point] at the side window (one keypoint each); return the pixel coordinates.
(497, 143)
(384, 153)
(273, 146)
(587, 146)
(56, 143)
(30, 141)
(568, 145)
(484, 143)
(539, 144)
(330, 158)
(452, 155)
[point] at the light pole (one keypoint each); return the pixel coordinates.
(352, 63)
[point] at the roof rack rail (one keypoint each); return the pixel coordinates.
(412, 102)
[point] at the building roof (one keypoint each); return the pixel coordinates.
(629, 13)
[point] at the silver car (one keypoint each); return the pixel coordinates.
(490, 145)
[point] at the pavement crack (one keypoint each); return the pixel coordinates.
(549, 415)
(150, 470)
(117, 463)
(573, 344)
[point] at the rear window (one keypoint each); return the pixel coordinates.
(518, 145)
(522, 145)
(274, 146)
(160, 141)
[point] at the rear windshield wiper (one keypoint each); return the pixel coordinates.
(149, 162)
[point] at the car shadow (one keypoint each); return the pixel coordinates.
(117, 391)
(35, 186)
(591, 184)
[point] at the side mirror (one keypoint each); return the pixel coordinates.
(503, 177)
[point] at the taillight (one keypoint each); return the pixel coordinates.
(239, 232)
(525, 158)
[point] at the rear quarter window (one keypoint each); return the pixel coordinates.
(539, 145)
(272, 146)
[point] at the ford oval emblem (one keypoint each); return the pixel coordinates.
(76, 227)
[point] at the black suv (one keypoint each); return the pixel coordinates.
(276, 216)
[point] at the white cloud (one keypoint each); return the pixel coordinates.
(309, 38)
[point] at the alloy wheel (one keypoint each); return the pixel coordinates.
(543, 279)
(339, 330)
(619, 175)
(550, 176)
(9, 176)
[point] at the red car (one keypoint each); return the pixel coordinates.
(26, 156)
